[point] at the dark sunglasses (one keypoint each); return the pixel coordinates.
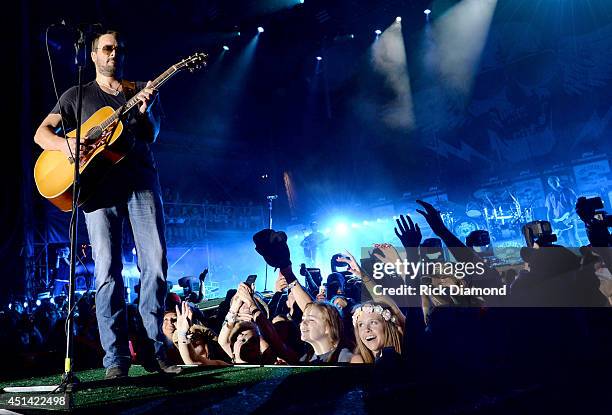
(109, 48)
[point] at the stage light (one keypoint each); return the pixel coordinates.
(388, 58)
(10, 306)
(341, 229)
(52, 300)
(38, 303)
(378, 32)
(225, 47)
(25, 304)
(319, 58)
(237, 33)
(427, 11)
(134, 251)
(129, 291)
(352, 36)
(260, 29)
(460, 35)
(398, 19)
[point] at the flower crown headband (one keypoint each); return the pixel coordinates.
(370, 308)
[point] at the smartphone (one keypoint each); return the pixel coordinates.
(250, 279)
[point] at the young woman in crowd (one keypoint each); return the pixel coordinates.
(247, 334)
(197, 344)
(376, 328)
(321, 328)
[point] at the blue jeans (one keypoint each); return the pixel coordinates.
(144, 209)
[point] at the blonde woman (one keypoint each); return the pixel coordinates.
(321, 328)
(376, 328)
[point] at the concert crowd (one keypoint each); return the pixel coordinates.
(556, 310)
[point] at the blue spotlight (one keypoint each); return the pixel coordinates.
(38, 303)
(52, 300)
(352, 36)
(25, 304)
(260, 29)
(237, 33)
(378, 32)
(225, 47)
(319, 58)
(427, 11)
(398, 19)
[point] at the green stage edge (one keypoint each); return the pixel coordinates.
(238, 389)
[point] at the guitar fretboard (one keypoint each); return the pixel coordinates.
(132, 102)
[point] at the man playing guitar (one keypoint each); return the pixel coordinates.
(560, 205)
(129, 191)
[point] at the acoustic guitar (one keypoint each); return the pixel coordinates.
(54, 172)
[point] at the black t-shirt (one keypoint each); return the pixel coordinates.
(137, 170)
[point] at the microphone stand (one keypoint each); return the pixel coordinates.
(62, 393)
(69, 380)
(270, 199)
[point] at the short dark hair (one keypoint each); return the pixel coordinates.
(94, 41)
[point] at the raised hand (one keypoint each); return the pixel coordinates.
(245, 293)
(203, 275)
(184, 317)
(280, 284)
(433, 218)
(408, 232)
(389, 253)
(353, 266)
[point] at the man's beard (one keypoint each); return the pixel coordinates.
(110, 69)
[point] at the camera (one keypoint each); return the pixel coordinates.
(431, 250)
(479, 238)
(335, 264)
(480, 241)
(540, 232)
(596, 220)
(591, 211)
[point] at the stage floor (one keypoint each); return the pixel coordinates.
(322, 390)
(233, 390)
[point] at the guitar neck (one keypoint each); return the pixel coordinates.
(132, 102)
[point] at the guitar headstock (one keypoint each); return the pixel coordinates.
(193, 62)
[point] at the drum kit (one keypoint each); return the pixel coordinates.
(501, 216)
